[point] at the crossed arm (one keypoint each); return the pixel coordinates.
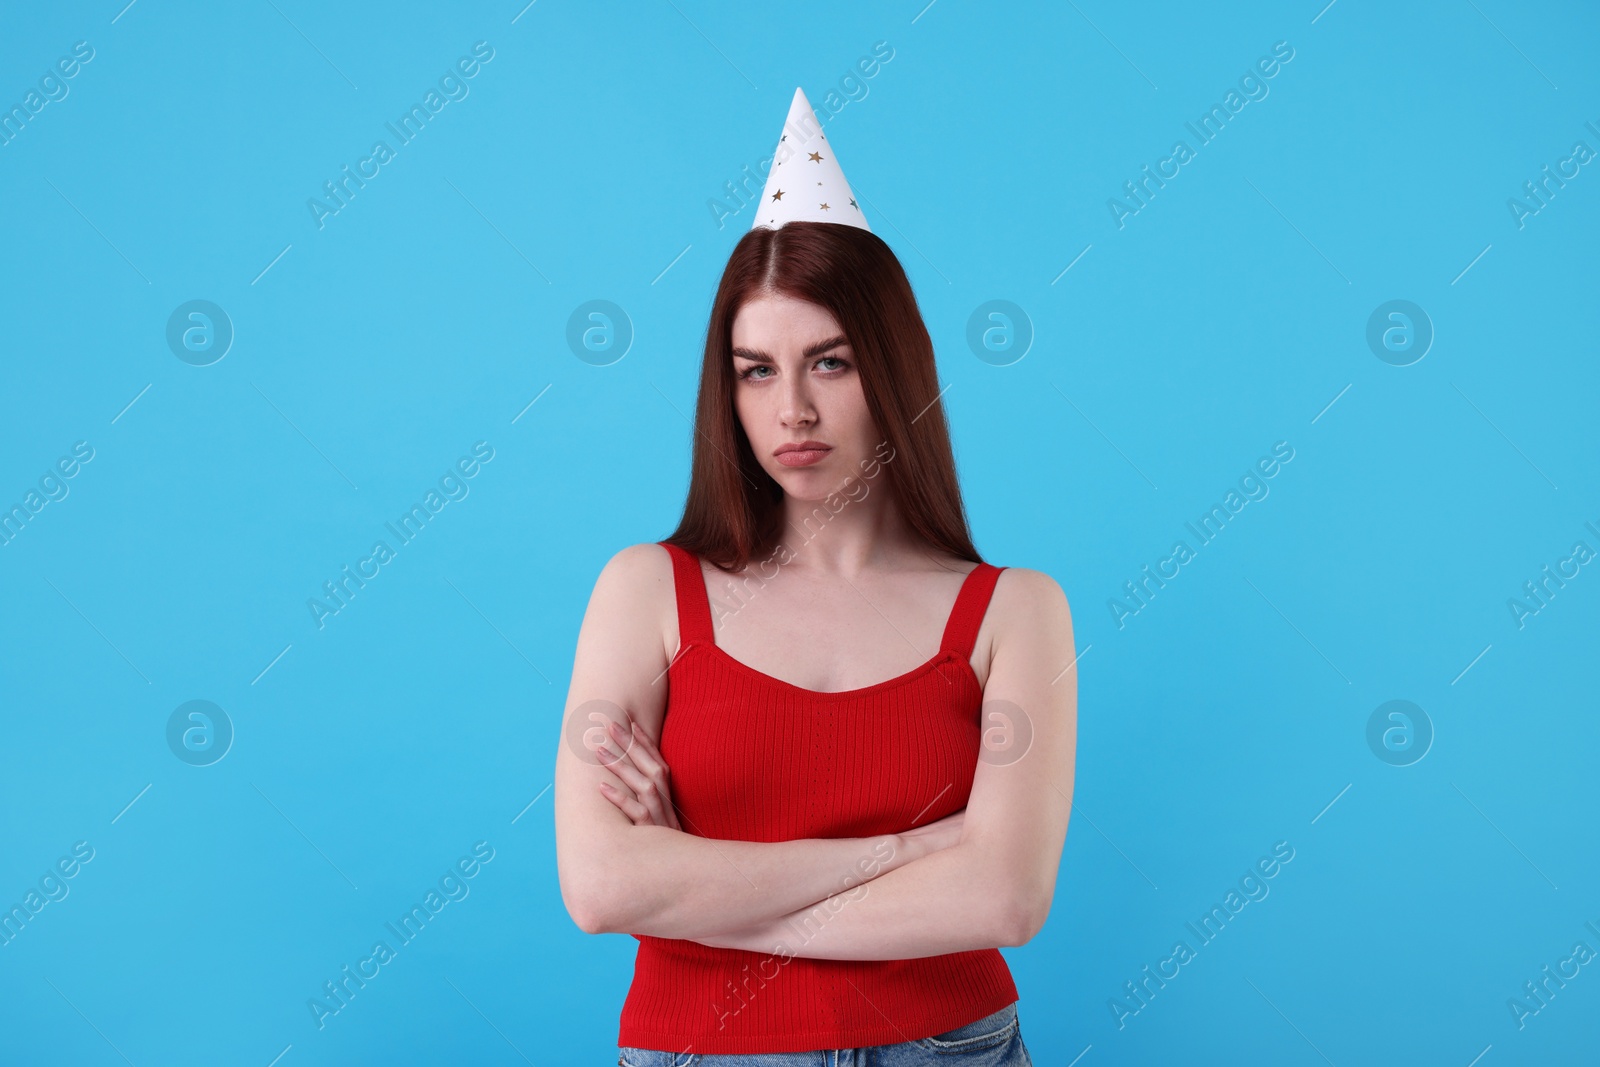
(979, 879)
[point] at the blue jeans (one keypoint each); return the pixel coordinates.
(993, 1041)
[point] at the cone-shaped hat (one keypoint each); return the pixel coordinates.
(805, 182)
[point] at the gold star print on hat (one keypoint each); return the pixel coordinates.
(805, 182)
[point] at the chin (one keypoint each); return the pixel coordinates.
(801, 482)
(804, 482)
(814, 484)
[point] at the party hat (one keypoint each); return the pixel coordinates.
(805, 182)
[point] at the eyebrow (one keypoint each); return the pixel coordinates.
(757, 356)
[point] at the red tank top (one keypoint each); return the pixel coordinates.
(755, 758)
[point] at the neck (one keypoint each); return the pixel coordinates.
(852, 530)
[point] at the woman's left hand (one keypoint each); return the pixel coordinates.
(647, 798)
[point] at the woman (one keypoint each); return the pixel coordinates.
(820, 754)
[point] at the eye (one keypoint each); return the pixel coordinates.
(832, 359)
(749, 371)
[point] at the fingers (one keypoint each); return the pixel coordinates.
(615, 754)
(650, 792)
(630, 807)
(643, 788)
(647, 757)
(648, 742)
(653, 790)
(639, 813)
(630, 756)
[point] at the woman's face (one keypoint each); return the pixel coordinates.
(796, 383)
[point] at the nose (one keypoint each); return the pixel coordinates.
(795, 407)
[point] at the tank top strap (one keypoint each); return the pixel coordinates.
(961, 631)
(694, 603)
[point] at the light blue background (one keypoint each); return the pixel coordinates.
(1228, 314)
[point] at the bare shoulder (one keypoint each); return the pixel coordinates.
(635, 588)
(1030, 595)
(1028, 616)
(636, 565)
(638, 573)
(1026, 623)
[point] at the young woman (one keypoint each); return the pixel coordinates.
(819, 755)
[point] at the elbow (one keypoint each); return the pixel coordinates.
(587, 911)
(590, 920)
(599, 893)
(589, 905)
(1022, 919)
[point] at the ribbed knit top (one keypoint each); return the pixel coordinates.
(755, 758)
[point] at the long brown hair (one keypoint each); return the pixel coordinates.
(733, 511)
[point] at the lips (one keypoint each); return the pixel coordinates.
(801, 453)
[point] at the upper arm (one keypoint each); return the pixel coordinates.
(618, 672)
(1021, 795)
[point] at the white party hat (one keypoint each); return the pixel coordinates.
(805, 182)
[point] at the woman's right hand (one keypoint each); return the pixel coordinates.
(646, 798)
